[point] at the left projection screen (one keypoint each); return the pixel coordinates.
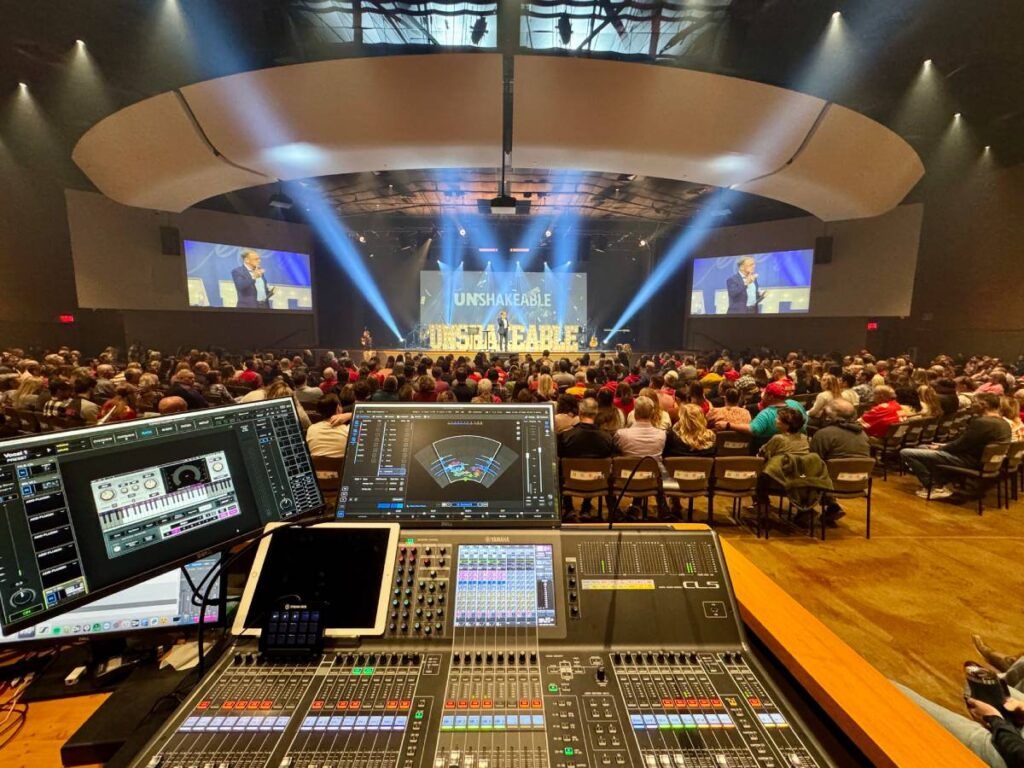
(224, 276)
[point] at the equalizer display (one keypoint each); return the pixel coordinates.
(510, 585)
(435, 463)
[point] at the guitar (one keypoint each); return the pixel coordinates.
(593, 342)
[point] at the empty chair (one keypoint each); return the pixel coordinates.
(735, 478)
(586, 479)
(888, 447)
(851, 479)
(943, 427)
(687, 477)
(637, 477)
(990, 471)
(1011, 471)
(732, 444)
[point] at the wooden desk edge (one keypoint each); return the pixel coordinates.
(887, 726)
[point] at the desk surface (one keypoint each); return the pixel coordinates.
(887, 726)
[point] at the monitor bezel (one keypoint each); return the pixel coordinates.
(148, 632)
(171, 564)
(238, 628)
(419, 523)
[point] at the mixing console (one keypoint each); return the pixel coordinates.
(551, 650)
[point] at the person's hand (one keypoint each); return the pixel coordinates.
(340, 418)
(258, 272)
(979, 710)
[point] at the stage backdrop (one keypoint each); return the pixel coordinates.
(546, 310)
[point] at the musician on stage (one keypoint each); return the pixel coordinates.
(502, 328)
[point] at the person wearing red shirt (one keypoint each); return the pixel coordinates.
(329, 381)
(249, 375)
(883, 414)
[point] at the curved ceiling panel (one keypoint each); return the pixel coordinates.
(150, 155)
(444, 111)
(851, 168)
(657, 121)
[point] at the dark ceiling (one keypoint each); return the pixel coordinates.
(138, 49)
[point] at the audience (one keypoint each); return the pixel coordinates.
(690, 435)
(585, 440)
(731, 411)
(883, 414)
(788, 437)
(329, 436)
(641, 437)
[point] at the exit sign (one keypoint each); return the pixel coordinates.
(872, 326)
(66, 319)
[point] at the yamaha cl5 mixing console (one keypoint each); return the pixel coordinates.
(516, 649)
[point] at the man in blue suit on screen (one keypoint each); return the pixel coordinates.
(250, 283)
(744, 296)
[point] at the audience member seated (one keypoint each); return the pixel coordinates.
(764, 426)
(930, 405)
(172, 404)
(609, 418)
(789, 437)
(328, 381)
(305, 393)
(624, 399)
(690, 435)
(426, 390)
(447, 396)
(883, 414)
(119, 407)
(659, 417)
(641, 438)
(585, 440)
(696, 396)
(964, 451)
(731, 411)
(27, 395)
(388, 392)
(81, 406)
(945, 389)
(566, 413)
(831, 389)
(841, 436)
(577, 389)
(183, 385)
(329, 436)
(60, 398)
(1009, 409)
(461, 389)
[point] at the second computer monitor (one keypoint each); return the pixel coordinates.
(451, 464)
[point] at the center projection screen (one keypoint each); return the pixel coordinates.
(546, 310)
(777, 283)
(224, 276)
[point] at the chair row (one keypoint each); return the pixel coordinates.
(690, 478)
(23, 421)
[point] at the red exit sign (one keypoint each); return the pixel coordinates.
(66, 319)
(872, 326)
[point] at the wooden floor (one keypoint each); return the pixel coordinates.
(909, 598)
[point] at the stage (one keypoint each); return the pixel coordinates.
(571, 354)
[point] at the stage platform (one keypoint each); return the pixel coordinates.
(572, 354)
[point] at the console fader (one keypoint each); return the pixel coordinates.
(571, 649)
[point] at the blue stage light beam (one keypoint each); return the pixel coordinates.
(324, 220)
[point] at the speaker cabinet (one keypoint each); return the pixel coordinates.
(170, 241)
(823, 250)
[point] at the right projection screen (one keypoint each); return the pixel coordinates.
(773, 283)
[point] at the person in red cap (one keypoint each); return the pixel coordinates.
(762, 428)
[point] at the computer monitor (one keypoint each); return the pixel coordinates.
(163, 603)
(89, 511)
(451, 464)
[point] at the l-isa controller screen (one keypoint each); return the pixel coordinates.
(438, 462)
(776, 283)
(237, 277)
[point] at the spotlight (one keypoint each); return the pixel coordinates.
(837, 14)
(564, 28)
(361, 237)
(462, 231)
(80, 43)
(927, 62)
(517, 263)
(988, 147)
(479, 30)
(280, 200)
(957, 115)
(643, 242)
(547, 233)
(23, 85)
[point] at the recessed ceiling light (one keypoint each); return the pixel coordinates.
(927, 62)
(836, 15)
(80, 42)
(23, 85)
(957, 115)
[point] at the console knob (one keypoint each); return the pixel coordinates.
(501, 657)
(416, 627)
(440, 598)
(427, 550)
(661, 658)
(443, 586)
(404, 626)
(237, 659)
(574, 610)
(359, 660)
(431, 587)
(419, 611)
(478, 657)
(438, 626)
(573, 596)
(426, 629)
(465, 657)
(571, 568)
(601, 675)
(617, 657)
(490, 657)
(572, 582)
(419, 598)
(444, 550)
(441, 562)
(533, 657)
(391, 626)
(416, 658)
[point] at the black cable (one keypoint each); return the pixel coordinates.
(612, 509)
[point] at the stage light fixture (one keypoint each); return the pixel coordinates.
(462, 231)
(479, 30)
(957, 116)
(280, 200)
(547, 233)
(361, 237)
(564, 28)
(988, 147)
(643, 242)
(837, 14)
(927, 62)
(23, 85)
(80, 43)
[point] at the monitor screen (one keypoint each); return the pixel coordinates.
(451, 463)
(90, 511)
(776, 283)
(236, 277)
(505, 585)
(349, 568)
(163, 602)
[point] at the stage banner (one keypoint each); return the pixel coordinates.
(460, 310)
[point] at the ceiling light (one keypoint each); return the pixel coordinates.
(988, 147)
(547, 233)
(23, 85)
(836, 15)
(957, 116)
(927, 62)
(643, 242)
(479, 30)
(462, 231)
(80, 43)
(361, 237)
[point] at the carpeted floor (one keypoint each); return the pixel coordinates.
(908, 598)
